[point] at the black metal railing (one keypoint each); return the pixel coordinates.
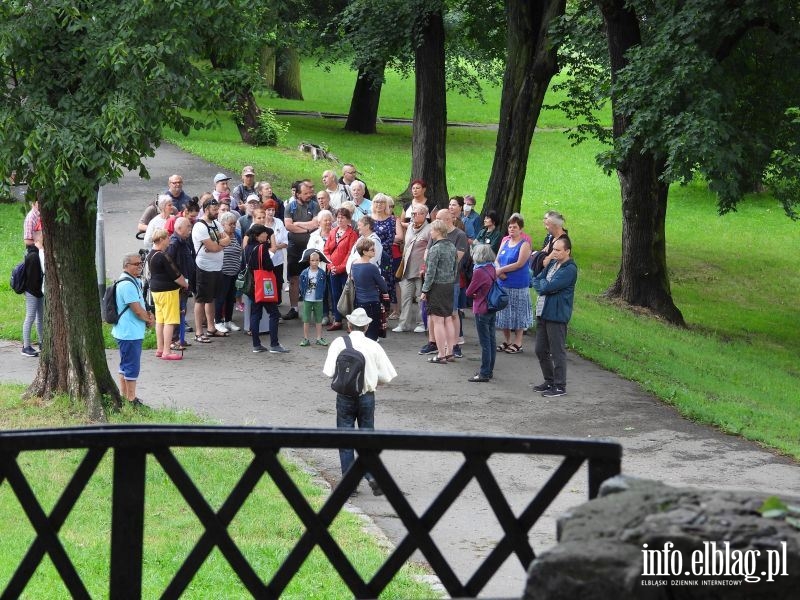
(132, 444)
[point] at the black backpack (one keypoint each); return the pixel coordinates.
(109, 305)
(348, 377)
(19, 279)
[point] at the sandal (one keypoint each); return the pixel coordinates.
(438, 360)
(217, 333)
(503, 347)
(450, 358)
(513, 349)
(202, 339)
(159, 354)
(175, 346)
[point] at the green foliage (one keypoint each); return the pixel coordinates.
(270, 131)
(88, 87)
(693, 92)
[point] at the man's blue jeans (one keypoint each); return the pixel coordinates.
(484, 324)
(348, 411)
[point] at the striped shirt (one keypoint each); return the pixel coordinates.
(232, 257)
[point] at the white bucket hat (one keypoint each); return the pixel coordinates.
(359, 317)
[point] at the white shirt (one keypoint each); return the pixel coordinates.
(375, 260)
(157, 222)
(281, 237)
(377, 366)
(208, 261)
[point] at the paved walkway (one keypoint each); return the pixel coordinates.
(225, 381)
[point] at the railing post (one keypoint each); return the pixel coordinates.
(601, 469)
(127, 523)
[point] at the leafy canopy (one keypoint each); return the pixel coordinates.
(88, 87)
(713, 90)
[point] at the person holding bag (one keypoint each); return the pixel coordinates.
(265, 292)
(337, 248)
(483, 277)
(370, 285)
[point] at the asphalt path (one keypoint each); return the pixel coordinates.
(225, 381)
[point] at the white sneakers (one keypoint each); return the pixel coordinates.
(420, 329)
(221, 327)
(232, 326)
(399, 329)
(226, 327)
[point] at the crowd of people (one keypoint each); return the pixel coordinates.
(418, 265)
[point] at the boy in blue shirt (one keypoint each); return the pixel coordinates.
(312, 292)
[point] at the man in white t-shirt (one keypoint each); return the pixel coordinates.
(209, 240)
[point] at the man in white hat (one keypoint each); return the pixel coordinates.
(221, 189)
(377, 369)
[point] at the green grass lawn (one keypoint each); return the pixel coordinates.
(734, 277)
(330, 91)
(265, 528)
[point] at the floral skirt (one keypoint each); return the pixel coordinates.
(519, 312)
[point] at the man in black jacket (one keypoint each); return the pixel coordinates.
(181, 251)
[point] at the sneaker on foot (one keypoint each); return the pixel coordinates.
(457, 351)
(542, 387)
(429, 348)
(29, 352)
(292, 314)
(304, 342)
(258, 349)
(322, 342)
(553, 392)
(399, 329)
(420, 329)
(221, 326)
(277, 349)
(232, 326)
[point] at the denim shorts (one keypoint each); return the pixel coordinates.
(130, 356)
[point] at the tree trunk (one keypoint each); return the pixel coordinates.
(530, 65)
(245, 113)
(266, 65)
(287, 74)
(642, 279)
(73, 359)
(239, 99)
(363, 114)
(429, 129)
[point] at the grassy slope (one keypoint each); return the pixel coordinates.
(734, 277)
(265, 528)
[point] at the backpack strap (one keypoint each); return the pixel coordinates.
(347, 343)
(122, 278)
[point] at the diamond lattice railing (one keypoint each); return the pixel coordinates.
(132, 444)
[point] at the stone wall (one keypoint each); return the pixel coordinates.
(639, 525)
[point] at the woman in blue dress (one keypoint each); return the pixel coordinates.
(514, 274)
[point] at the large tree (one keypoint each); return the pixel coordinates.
(700, 88)
(429, 129)
(87, 89)
(530, 65)
(642, 279)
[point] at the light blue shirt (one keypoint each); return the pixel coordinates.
(129, 326)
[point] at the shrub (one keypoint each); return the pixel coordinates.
(270, 131)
